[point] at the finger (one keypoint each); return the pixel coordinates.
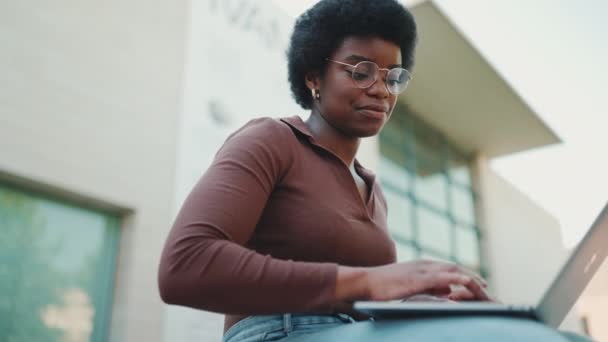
(477, 290)
(474, 275)
(452, 267)
(439, 280)
(477, 276)
(461, 294)
(464, 281)
(440, 291)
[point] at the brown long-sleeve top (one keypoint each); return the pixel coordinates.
(264, 229)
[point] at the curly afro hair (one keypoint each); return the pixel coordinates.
(320, 31)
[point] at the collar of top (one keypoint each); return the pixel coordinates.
(300, 126)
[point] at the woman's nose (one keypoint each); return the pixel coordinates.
(379, 88)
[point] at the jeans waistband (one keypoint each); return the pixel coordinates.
(288, 322)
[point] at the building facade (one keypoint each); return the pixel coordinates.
(110, 114)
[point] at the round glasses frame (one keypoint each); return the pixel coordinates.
(375, 76)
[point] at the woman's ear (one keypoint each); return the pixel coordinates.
(313, 81)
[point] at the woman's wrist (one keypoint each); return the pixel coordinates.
(351, 284)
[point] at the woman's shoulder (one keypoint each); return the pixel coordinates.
(263, 128)
(261, 136)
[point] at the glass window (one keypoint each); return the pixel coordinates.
(467, 246)
(394, 175)
(433, 231)
(432, 189)
(429, 180)
(463, 208)
(58, 276)
(399, 214)
(427, 255)
(429, 145)
(405, 252)
(459, 169)
(394, 132)
(431, 183)
(393, 146)
(461, 175)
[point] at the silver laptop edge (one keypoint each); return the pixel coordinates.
(557, 301)
(574, 277)
(421, 309)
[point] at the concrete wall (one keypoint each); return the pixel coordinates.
(522, 245)
(90, 93)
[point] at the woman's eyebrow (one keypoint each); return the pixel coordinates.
(358, 58)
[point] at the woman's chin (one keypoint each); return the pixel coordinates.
(368, 131)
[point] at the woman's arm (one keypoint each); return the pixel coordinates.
(351, 284)
(204, 264)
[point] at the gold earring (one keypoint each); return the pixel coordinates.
(316, 94)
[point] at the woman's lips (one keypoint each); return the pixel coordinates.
(372, 113)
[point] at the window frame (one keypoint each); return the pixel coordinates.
(103, 296)
(404, 123)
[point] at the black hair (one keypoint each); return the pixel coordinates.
(321, 30)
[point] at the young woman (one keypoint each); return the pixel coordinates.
(286, 227)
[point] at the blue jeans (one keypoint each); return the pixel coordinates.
(282, 327)
(341, 327)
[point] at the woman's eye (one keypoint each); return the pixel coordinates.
(358, 76)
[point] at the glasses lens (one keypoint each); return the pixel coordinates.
(397, 80)
(365, 74)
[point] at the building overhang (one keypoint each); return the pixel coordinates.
(458, 92)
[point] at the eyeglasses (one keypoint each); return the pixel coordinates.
(365, 73)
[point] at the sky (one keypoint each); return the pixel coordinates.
(553, 53)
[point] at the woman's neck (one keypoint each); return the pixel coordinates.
(325, 134)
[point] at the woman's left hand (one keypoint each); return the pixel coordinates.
(453, 294)
(461, 293)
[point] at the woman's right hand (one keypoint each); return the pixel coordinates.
(405, 279)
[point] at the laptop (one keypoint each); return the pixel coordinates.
(552, 308)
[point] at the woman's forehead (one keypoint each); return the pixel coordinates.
(356, 49)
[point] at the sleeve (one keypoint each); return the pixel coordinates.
(204, 263)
